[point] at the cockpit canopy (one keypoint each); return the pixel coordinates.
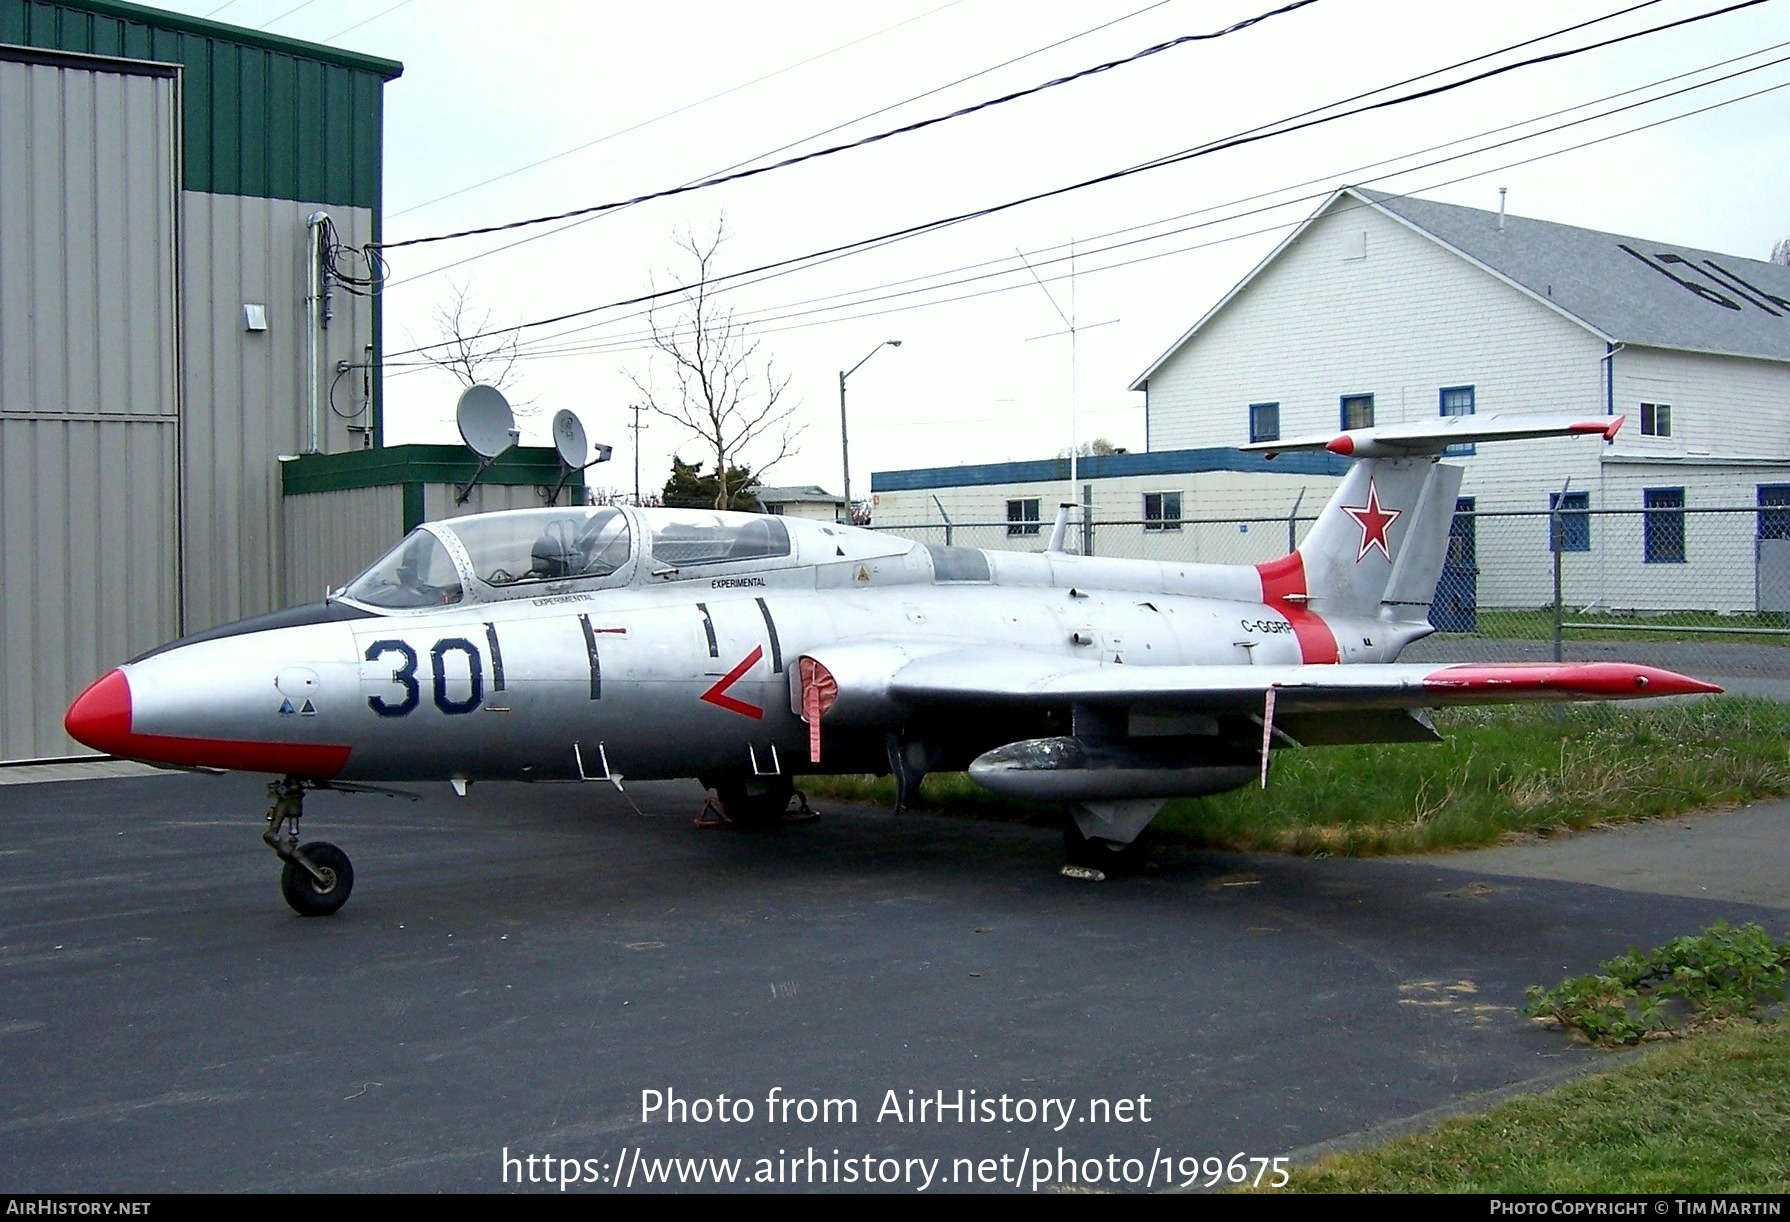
(523, 551)
(686, 538)
(530, 552)
(519, 549)
(416, 573)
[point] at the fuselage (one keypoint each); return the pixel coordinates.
(660, 644)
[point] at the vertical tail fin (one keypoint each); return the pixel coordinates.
(1377, 548)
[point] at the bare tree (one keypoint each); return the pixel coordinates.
(720, 391)
(1780, 253)
(472, 347)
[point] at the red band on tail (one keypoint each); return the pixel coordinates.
(1283, 583)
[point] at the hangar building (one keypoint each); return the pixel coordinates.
(158, 176)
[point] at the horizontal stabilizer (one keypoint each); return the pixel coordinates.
(1433, 436)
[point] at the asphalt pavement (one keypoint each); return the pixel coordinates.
(573, 974)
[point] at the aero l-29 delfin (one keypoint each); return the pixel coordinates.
(597, 643)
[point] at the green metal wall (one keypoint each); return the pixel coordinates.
(262, 116)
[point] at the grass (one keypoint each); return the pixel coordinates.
(1501, 774)
(1705, 1115)
(1499, 624)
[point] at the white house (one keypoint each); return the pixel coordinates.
(803, 501)
(1382, 309)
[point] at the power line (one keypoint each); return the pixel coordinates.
(770, 315)
(827, 131)
(904, 129)
(1281, 227)
(1250, 137)
(276, 20)
(732, 89)
(367, 21)
(1621, 12)
(1004, 268)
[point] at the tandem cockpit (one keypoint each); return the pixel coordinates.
(534, 553)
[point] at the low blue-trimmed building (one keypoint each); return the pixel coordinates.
(1219, 504)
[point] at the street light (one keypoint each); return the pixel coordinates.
(844, 446)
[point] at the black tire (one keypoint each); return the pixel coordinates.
(1097, 853)
(755, 803)
(307, 896)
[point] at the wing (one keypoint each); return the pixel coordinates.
(876, 682)
(1118, 779)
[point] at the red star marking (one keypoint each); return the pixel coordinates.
(717, 695)
(1374, 522)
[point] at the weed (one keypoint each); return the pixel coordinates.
(1700, 980)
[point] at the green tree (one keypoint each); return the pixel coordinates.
(689, 488)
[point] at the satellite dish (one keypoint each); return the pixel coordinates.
(569, 439)
(486, 422)
(574, 449)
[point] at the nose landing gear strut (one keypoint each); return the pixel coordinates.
(317, 877)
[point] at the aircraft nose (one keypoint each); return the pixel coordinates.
(100, 717)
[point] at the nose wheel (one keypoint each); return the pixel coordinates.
(317, 877)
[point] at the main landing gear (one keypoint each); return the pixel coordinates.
(318, 876)
(753, 803)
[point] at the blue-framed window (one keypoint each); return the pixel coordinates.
(1774, 511)
(1264, 422)
(1575, 521)
(1022, 517)
(1162, 511)
(1457, 401)
(1358, 411)
(1662, 534)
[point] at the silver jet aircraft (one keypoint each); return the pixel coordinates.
(593, 644)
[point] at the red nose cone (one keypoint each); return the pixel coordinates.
(100, 717)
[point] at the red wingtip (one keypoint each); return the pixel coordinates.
(1344, 444)
(100, 717)
(1605, 428)
(1606, 680)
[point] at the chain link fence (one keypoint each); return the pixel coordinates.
(1705, 591)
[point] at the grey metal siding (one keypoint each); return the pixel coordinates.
(244, 391)
(89, 410)
(438, 499)
(332, 536)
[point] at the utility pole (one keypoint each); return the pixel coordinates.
(844, 444)
(1075, 496)
(637, 426)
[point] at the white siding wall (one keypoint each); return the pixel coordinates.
(1722, 406)
(1400, 322)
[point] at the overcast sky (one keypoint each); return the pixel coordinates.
(615, 100)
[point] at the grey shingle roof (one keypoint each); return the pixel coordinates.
(801, 494)
(1631, 290)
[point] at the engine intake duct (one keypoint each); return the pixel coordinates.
(1083, 770)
